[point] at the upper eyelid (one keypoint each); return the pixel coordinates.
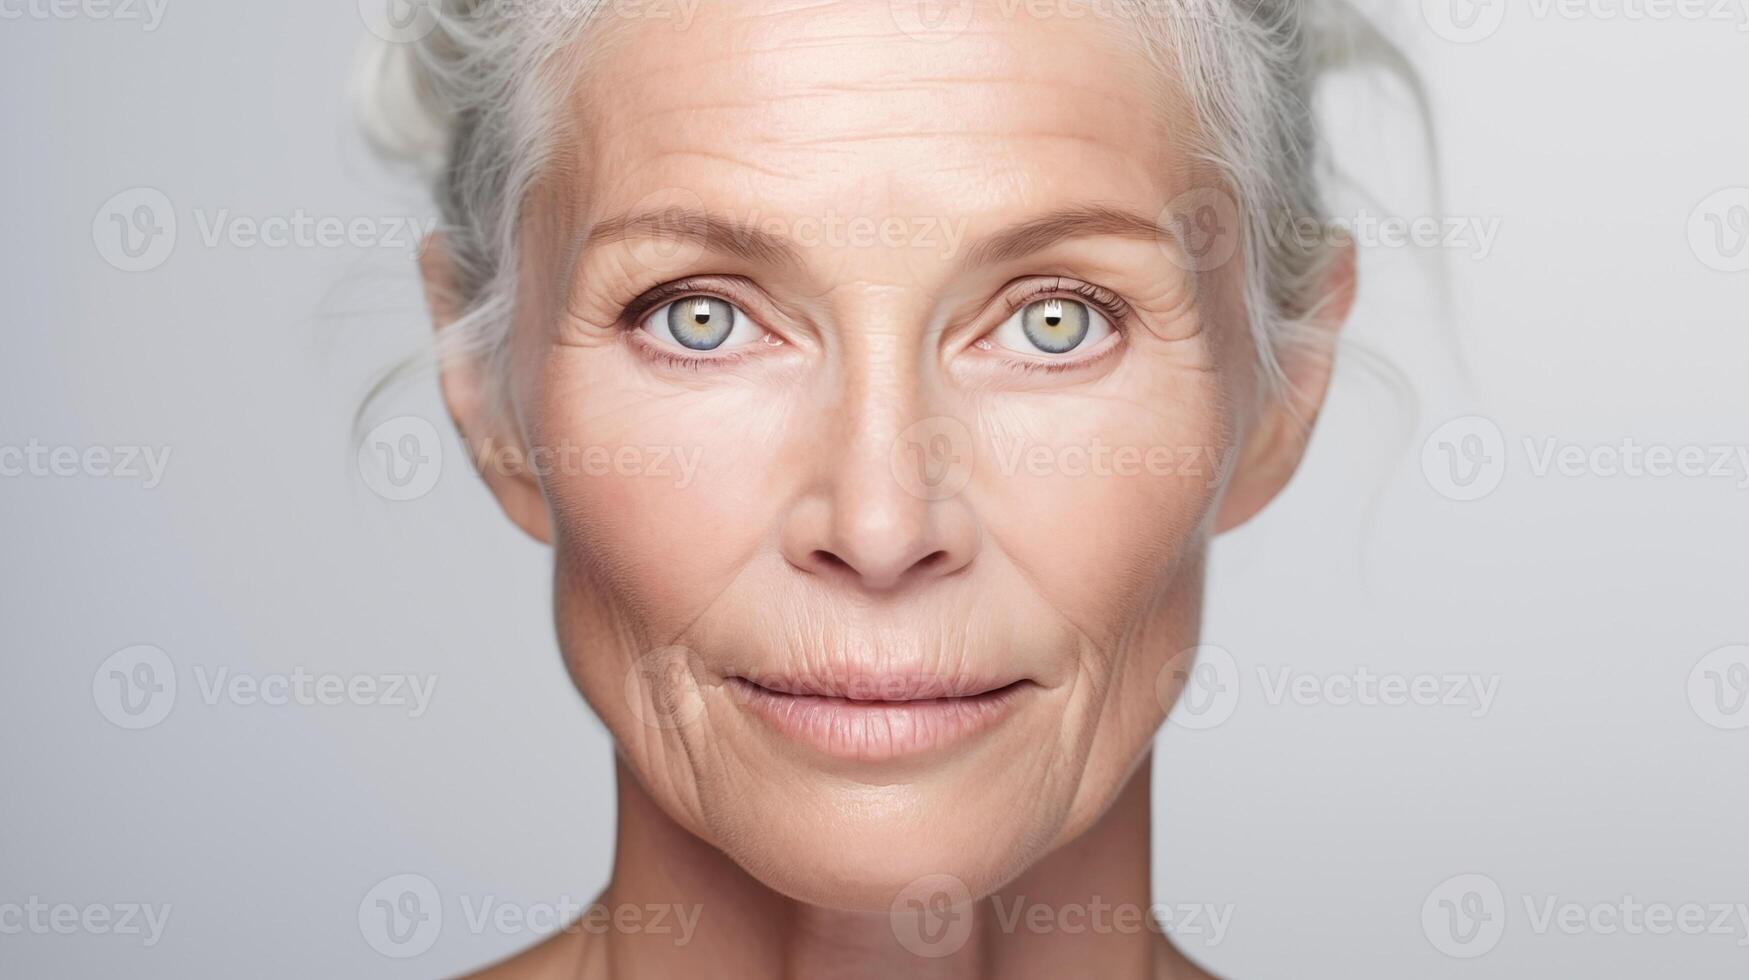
(1022, 294)
(657, 297)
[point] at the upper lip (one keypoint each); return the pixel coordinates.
(878, 687)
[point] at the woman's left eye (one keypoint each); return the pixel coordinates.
(1052, 326)
(701, 323)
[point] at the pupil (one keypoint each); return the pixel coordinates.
(1056, 326)
(700, 322)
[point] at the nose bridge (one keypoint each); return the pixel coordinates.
(880, 390)
(861, 521)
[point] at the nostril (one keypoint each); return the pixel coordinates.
(830, 560)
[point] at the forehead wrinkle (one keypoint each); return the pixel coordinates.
(752, 57)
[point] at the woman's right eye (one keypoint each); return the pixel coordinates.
(702, 323)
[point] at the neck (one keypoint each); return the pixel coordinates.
(1081, 911)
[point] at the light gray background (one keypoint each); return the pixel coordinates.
(1597, 773)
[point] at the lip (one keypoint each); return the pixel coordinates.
(876, 718)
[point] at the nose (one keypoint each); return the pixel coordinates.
(866, 537)
(867, 522)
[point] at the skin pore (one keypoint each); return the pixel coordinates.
(911, 618)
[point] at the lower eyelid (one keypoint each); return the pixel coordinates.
(676, 354)
(1022, 364)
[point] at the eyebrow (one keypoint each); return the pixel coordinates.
(1081, 222)
(753, 244)
(685, 224)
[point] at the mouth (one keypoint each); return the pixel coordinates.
(875, 718)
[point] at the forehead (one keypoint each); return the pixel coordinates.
(870, 107)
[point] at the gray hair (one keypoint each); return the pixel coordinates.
(469, 98)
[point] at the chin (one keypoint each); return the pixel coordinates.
(838, 823)
(864, 848)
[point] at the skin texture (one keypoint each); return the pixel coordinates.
(884, 493)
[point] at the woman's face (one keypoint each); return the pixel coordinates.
(882, 426)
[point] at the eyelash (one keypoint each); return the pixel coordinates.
(1107, 302)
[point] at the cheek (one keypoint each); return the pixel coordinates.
(666, 492)
(1100, 497)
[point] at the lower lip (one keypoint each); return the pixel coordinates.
(876, 731)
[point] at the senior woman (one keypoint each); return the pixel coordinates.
(970, 318)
